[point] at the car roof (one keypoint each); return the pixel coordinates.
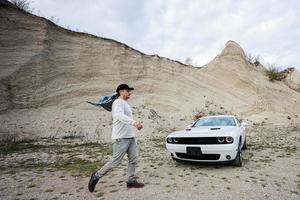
(215, 116)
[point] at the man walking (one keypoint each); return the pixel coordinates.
(123, 139)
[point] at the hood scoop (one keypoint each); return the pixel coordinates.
(215, 128)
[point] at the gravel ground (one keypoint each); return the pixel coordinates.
(60, 170)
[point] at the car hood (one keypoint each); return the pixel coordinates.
(206, 132)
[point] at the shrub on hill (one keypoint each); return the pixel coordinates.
(274, 74)
(23, 5)
(253, 59)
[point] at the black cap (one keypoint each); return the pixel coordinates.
(123, 87)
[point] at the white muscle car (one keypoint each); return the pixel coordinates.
(218, 138)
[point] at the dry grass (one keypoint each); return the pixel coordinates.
(82, 158)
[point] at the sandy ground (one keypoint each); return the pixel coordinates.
(270, 171)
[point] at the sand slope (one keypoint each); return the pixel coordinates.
(47, 74)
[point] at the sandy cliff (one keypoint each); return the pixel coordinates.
(47, 74)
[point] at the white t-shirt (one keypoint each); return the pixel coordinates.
(122, 120)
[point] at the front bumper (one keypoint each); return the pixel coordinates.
(210, 153)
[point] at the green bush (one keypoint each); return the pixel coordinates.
(274, 74)
(22, 4)
(253, 59)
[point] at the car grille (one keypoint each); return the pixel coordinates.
(202, 140)
(199, 157)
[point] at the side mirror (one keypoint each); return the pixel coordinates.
(244, 124)
(188, 127)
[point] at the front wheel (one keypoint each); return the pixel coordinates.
(238, 159)
(245, 145)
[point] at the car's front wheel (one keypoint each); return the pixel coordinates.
(245, 145)
(238, 159)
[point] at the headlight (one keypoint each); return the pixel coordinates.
(169, 140)
(221, 139)
(175, 140)
(229, 139)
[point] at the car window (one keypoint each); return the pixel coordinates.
(216, 121)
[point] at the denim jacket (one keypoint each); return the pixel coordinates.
(105, 101)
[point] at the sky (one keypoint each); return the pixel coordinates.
(181, 29)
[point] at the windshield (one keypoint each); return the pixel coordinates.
(215, 121)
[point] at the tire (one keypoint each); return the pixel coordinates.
(245, 145)
(238, 159)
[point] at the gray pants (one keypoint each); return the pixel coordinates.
(120, 148)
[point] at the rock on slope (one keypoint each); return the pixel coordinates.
(47, 74)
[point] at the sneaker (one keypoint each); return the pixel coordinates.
(92, 183)
(135, 184)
